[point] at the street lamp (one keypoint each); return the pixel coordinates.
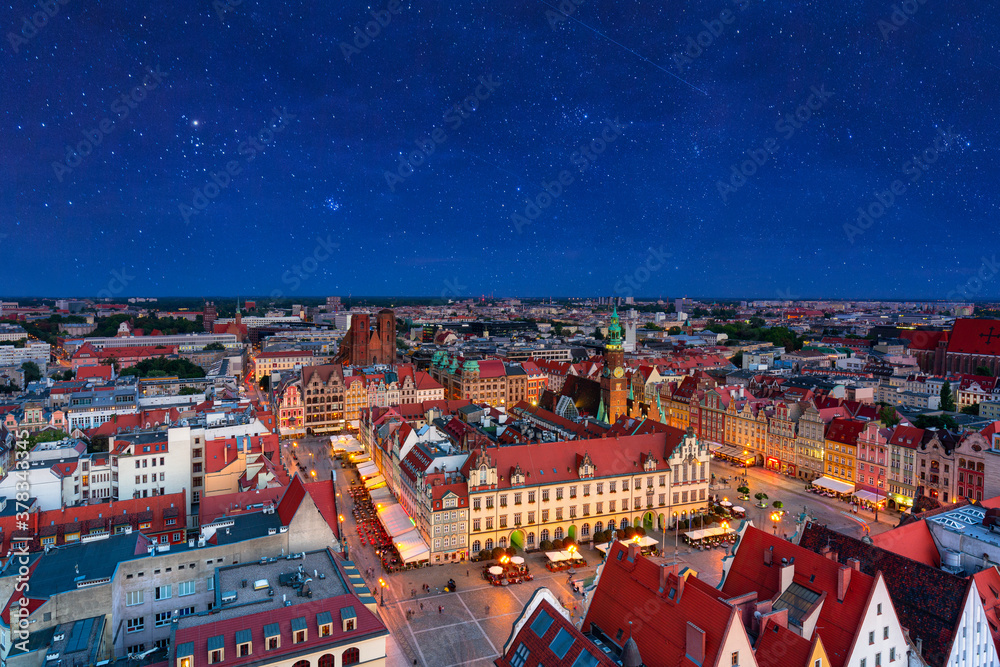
(677, 527)
(382, 585)
(775, 518)
(881, 474)
(343, 538)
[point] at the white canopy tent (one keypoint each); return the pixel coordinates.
(368, 469)
(395, 520)
(558, 556)
(869, 496)
(382, 496)
(834, 485)
(411, 547)
(644, 541)
(375, 482)
(342, 444)
(714, 531)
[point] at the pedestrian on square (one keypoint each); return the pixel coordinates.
(440, 609)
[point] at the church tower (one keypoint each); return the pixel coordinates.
(614, 386)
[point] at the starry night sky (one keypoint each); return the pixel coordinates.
(447, 228)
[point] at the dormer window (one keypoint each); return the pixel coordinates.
(272, 636)
(216, 649)
(325, 623)
(348, 619)
(244, 645)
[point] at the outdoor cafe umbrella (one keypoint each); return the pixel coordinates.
(517, 560)
(739, 509)
(496, 569)
(726, 503)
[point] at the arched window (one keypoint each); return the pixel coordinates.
(585, 529)
(502, 542)
(327, 660)
(489, 544)
(611, 524)
(961, 463)
(559, 533)
(352, 656)
(477, 546)
(301, 663)
(598, 527)
(545, 534)
(531, 539)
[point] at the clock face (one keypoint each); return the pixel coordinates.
(619, 372)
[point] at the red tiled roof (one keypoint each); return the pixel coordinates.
(539, 648)
(838, 622)
(845, 431)
(924, 340)
(491, 368)
(970, 336)
(777, 646)
(367, 625)
(228, 504)
(323, 495)
(913, 541)
(988, 585)
(928, 600)
(906, 436)
(629, 582)
(290, 501)
(550, 462)
(100, 371)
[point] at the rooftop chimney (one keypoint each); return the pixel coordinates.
(633, 551)
(854, 564)
(768, 555)
(785, 574)
(843, 581)
(694, 644)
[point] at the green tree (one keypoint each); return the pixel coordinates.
(947, 400)
(936, 421)
(598, 334)
(888, 416)
(674, 331)
(737, 359)
(164, 367)
(214, 346)
(971, 410)
(31, 372)
(265, 383)
(188, 391)
(984, 371)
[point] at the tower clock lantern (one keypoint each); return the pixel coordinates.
(614, 386)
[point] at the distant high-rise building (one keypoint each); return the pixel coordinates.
(681, 304)
(333, 304)
(209, 316)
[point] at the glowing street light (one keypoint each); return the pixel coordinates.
(382, 585)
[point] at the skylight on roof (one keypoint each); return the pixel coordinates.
(561, 643)
(542, 623)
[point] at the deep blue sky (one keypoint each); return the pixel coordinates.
(447, 229)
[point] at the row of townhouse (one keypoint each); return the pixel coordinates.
(490, 381)
(330, 397)
(468, 494)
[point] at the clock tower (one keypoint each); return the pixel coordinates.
(614, 386)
